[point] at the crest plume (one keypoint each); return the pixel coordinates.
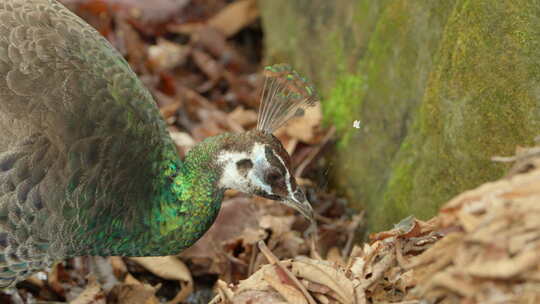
(285, 94)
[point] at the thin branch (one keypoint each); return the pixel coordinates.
(272, 259)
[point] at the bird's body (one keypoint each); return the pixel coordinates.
(87, 166)
(77, 175)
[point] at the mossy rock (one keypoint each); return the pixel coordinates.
(439, 87)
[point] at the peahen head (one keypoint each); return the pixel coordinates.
(255, 162)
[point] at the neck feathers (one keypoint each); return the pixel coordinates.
(189, 199)
(184, 203)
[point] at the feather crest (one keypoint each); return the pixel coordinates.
(285, 95)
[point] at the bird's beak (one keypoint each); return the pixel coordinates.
(298, 201)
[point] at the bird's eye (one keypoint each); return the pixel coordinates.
(244, 164)
(272, 177)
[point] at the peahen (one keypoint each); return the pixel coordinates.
(87, 166)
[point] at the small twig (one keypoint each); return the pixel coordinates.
(216, 299)
(309, 158)
(324, 219)
(313, 248)
(379, 268)
(185, 291)
(325, 206)
(235, 260)
(272, 259)
(313, 238)
(253, 259)
(402, 262)
(351, 229)
(223, 294)
(520, 156)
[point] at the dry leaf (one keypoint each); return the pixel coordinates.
(92, 294)
(225, 292)
(334, 256)
(166, 55)
(167, 267)
(505, 268)
(303, 128)
(208, 65)
(131, 280)
(289, 292)
(256, 280)
(183, 140)
(453, 282)
(258, 297)
(132, 294)
(236, 216)
(118, 266)
(243, 117)
(278, 224)
(235, 17)
(324, 273)
(322, 298)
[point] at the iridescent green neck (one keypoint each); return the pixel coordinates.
(182, 202)
(189, 200)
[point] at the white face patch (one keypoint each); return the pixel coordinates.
(232, 178)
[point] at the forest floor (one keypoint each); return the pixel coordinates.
(201, 60)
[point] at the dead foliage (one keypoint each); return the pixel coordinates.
(483, 247)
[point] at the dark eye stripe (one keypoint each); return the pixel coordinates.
(292, 180)
(273, 160)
